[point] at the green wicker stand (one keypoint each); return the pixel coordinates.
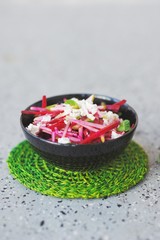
(118, 176)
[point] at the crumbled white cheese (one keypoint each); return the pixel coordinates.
(109, 117)
(46, 118)
(83, 107)
(92, 108)
(43, 119)
(33, 129)
(63, 140)
(75, 113)
(115, 135)
(90, 116)
(90, 99)
(68, 109)
(87, 109)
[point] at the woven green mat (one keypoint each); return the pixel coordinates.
(118, 176)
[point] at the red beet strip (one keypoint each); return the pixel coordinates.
(59, 124)
(116, 106)
(102, 131)
(44, 102)
(36, 112)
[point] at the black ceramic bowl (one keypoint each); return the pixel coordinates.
(80, 157)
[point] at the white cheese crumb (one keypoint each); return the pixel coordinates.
(46, 118)
(109, 117)
(33, 129)
(63, 140)
(75, 113)
(91, 107)
(68, 109)
(43, 119)
(87, 109)
(115, 135)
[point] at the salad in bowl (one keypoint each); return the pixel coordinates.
(79, 131)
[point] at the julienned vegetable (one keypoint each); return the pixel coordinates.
(77, 121)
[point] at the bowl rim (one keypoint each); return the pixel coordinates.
(100, 96)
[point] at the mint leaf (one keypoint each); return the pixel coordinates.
(72, 103)
(124, 126)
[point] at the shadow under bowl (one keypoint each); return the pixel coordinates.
(80, 157)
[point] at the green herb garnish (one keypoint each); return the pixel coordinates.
(72, 103)
(124, 126)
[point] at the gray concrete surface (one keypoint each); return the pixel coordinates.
(111, 49)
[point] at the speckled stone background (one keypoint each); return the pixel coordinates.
(56, 47)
